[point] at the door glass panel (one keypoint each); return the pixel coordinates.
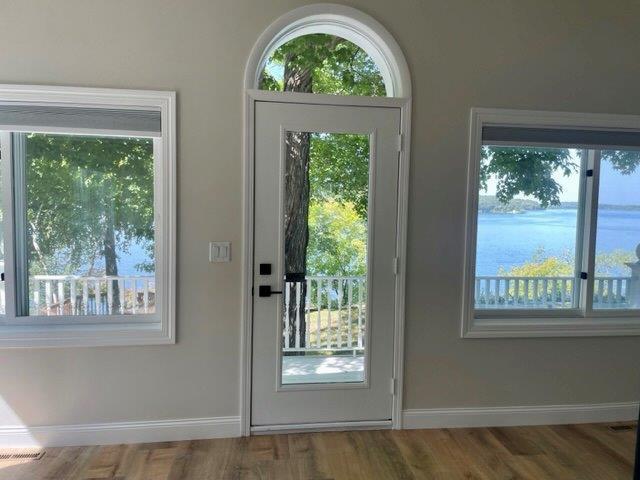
(617, 267)
(326, 197)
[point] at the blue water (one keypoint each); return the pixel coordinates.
(128, 260)
(510, 239)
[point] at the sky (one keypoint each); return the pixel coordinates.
(615, 188)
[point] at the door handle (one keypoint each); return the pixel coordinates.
(265, 291)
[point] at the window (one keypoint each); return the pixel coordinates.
(554, 225)
(322, 63)
(88, 214)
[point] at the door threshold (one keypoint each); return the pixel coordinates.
(322, 427)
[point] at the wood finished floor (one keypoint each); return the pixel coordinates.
(580, 452)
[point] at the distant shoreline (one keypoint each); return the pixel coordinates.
(490, 204)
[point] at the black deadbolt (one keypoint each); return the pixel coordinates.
(265, 269)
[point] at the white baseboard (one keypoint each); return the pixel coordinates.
(220, 427)
(514, 416)
(119, 432)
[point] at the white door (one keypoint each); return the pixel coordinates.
(323, 348)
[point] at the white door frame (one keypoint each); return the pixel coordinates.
(251, 97)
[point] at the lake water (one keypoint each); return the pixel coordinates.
(510, 239)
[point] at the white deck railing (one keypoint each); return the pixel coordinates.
(335, 307)
(333, 317)
(552, 292)
(105, 295)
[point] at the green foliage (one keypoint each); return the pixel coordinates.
(336, 65)
(490, 204)
(337, 239)
(339, 169)
(81, 188)
(624, 161)
(529, 170)
(542, 265)
(526, 170)
(338, 164)
(609, 263)
(548, 267)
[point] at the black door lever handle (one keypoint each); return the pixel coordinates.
(265, 291)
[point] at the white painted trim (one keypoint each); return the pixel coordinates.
(246, 324)
(531, 323)
(519, 416)
(251, 97)
(119, 432)
(340, 20)
(322, 427)
(404, 157)
(553, 327)
(370, 35)
(324, 99)
(162, 330)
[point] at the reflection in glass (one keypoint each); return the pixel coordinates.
(617, 264)
(89, 224)
(325, 226)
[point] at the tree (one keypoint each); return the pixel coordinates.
(317, 63)
(545, 266)
(542, 265)
(529, 170)
(85, 196)
(337, 240)
(339, 170)
(337, 246)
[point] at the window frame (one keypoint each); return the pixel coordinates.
(96, 330)
(582, 320)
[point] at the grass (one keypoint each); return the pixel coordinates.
(334, 327)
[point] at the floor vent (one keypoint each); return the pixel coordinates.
(621, 428)
(20, 456)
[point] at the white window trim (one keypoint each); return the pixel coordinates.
(146, 329)
(581, 321)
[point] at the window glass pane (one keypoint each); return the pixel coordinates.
(2, 294)
(89, 224)
(527, 228)
(617, 268)
(322, 63)
(324, 303)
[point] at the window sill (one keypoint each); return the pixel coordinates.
(552, 327)
(48, 336)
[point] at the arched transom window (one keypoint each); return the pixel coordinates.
(322, 63)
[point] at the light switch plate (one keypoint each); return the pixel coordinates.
(219, 252)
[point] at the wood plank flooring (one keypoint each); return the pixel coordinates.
(567, 452)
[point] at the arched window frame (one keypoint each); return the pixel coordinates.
(339, 20)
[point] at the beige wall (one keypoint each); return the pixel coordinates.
(540, 54)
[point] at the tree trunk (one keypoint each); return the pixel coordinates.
(111, 266)
(296, 207)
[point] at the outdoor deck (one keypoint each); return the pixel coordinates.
(332, 315)
(322, 369)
